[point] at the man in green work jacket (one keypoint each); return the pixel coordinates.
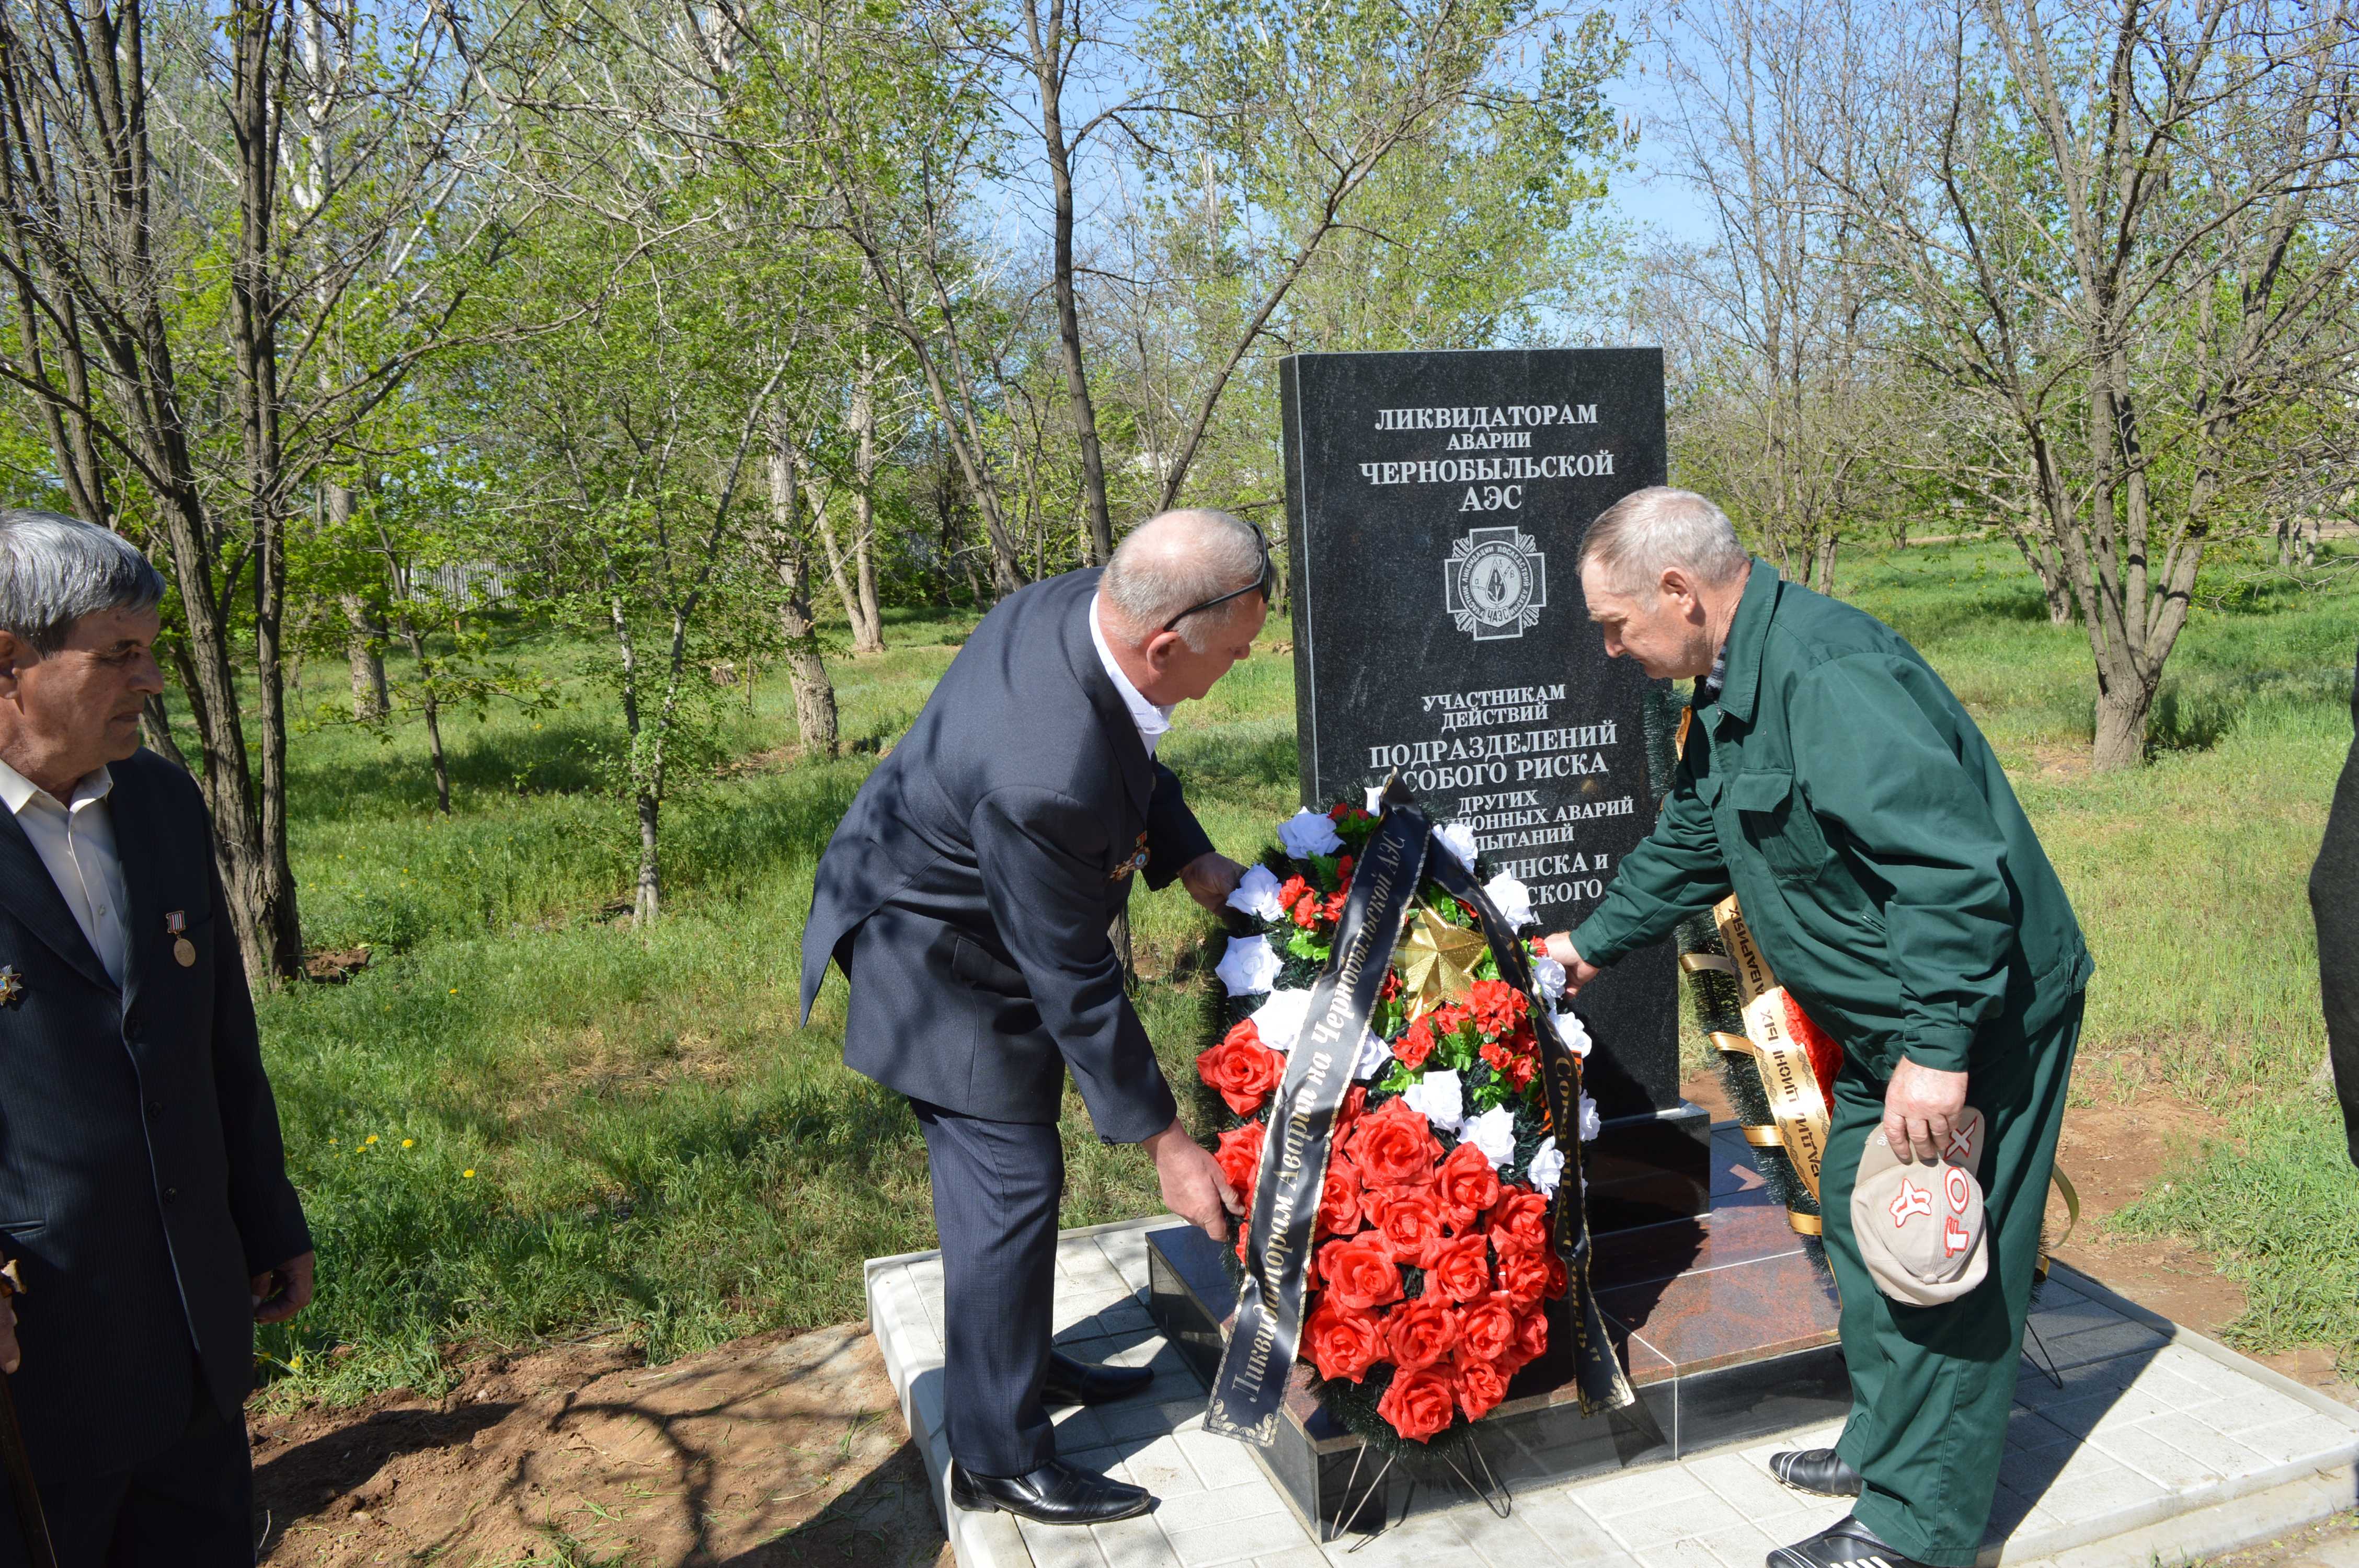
(1831, 782)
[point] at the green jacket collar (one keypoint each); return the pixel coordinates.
(1740, 684)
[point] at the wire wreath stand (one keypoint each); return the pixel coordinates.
(1493, 1491)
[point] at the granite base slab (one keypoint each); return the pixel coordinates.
(1725, 1325)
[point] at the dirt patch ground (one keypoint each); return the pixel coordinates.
(772, 1451)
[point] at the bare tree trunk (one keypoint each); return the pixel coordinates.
(647, 898)
(2122, 708)
(155, 732)
(1827, 543)
(371, 701)
(867, 620)
(1048, 40)
(815, 715)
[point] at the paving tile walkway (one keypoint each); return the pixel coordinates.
(2149, 1445)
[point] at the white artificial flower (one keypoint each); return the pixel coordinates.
(1279, 1020)
(1376, 1057)
(1439, 1099)
(1547, 1167)
(1551, 976)
(1459, 840)
(1248, 966)
(1590, 1123)
(1375, 796)
(1514, 899)
(1493, 1132)
(1256, 894)
(1570, 1029)
(1308, 833)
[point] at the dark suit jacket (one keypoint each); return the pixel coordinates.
(978, 871)
(2334, 902)
(142, 1182)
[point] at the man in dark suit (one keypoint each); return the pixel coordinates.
(967, 896)
(143, 1189)
(2334, 904)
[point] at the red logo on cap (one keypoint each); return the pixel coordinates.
(1909, 1202)
(1954, 1238)
(1962, 1139)
(1959, 1188)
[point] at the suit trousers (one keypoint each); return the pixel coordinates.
(1931, 1386)
(996, 1186)
(189, 1507)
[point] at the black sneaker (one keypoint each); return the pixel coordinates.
(1818, 1471)
(1845, 1542)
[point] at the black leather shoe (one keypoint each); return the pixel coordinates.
(1054, 1494)
(1072, 1382)
(1818, 1471)
(1847, 1542)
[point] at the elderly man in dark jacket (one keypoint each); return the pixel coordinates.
(967, 895)
(143, 1194)
(1832, 782)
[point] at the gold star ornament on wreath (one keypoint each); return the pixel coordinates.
(1435, 961)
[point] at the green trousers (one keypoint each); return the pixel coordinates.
(1930, 1387)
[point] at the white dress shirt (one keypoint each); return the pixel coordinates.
(76, 841)
(1152, 721)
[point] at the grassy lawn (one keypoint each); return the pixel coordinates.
(527, 1121)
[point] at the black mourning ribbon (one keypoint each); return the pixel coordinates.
(1259, 1357)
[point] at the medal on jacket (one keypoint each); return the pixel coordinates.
(1137, 862)
(176, 925)
(12, 985)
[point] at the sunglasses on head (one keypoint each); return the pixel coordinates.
(1261, 584)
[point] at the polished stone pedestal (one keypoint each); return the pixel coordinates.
(1650, 1168)
(1724, 1324)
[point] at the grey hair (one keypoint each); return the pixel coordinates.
(1175, 559)
(54, 570)
(1649, 531)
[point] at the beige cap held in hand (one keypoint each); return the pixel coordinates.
(1920, 1227)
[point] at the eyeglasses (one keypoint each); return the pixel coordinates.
(1260, 584)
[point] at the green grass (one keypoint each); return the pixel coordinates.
(662, 1151)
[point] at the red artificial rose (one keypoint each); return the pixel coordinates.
(1479, 1384)
(1467, 1183)
(1462, 1268)
(1342, 1342)
(1487, 1328)
(1446, 1019)
(1290, 892)
(1497, 1056)
(1420, 1333)
(1340, 810)
(1415, 1046)
(1390, 988)
(1306, 911)
(1556, 1282)
(1393, 1145)
(1334, 909)
(1356, 1101)
(1359, 1272)
(1524, 1275)
(1419, 1404)
(1520, 1220)
(1409, 1219)
(1339, 1200)
(1498, 1006)
(1239, 1155)
(1520, 1073)
(1343, 869)
(1531, 1341)
(1243, 1068)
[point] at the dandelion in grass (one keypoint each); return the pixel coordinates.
(409, 1143)
(370, 1139)
(469, 1173)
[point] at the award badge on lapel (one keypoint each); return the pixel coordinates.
(12, 986)
(1137, 862)
(176, 925)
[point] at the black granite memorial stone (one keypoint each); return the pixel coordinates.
(1436, 505)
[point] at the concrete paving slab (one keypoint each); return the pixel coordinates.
(2159, 1445)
